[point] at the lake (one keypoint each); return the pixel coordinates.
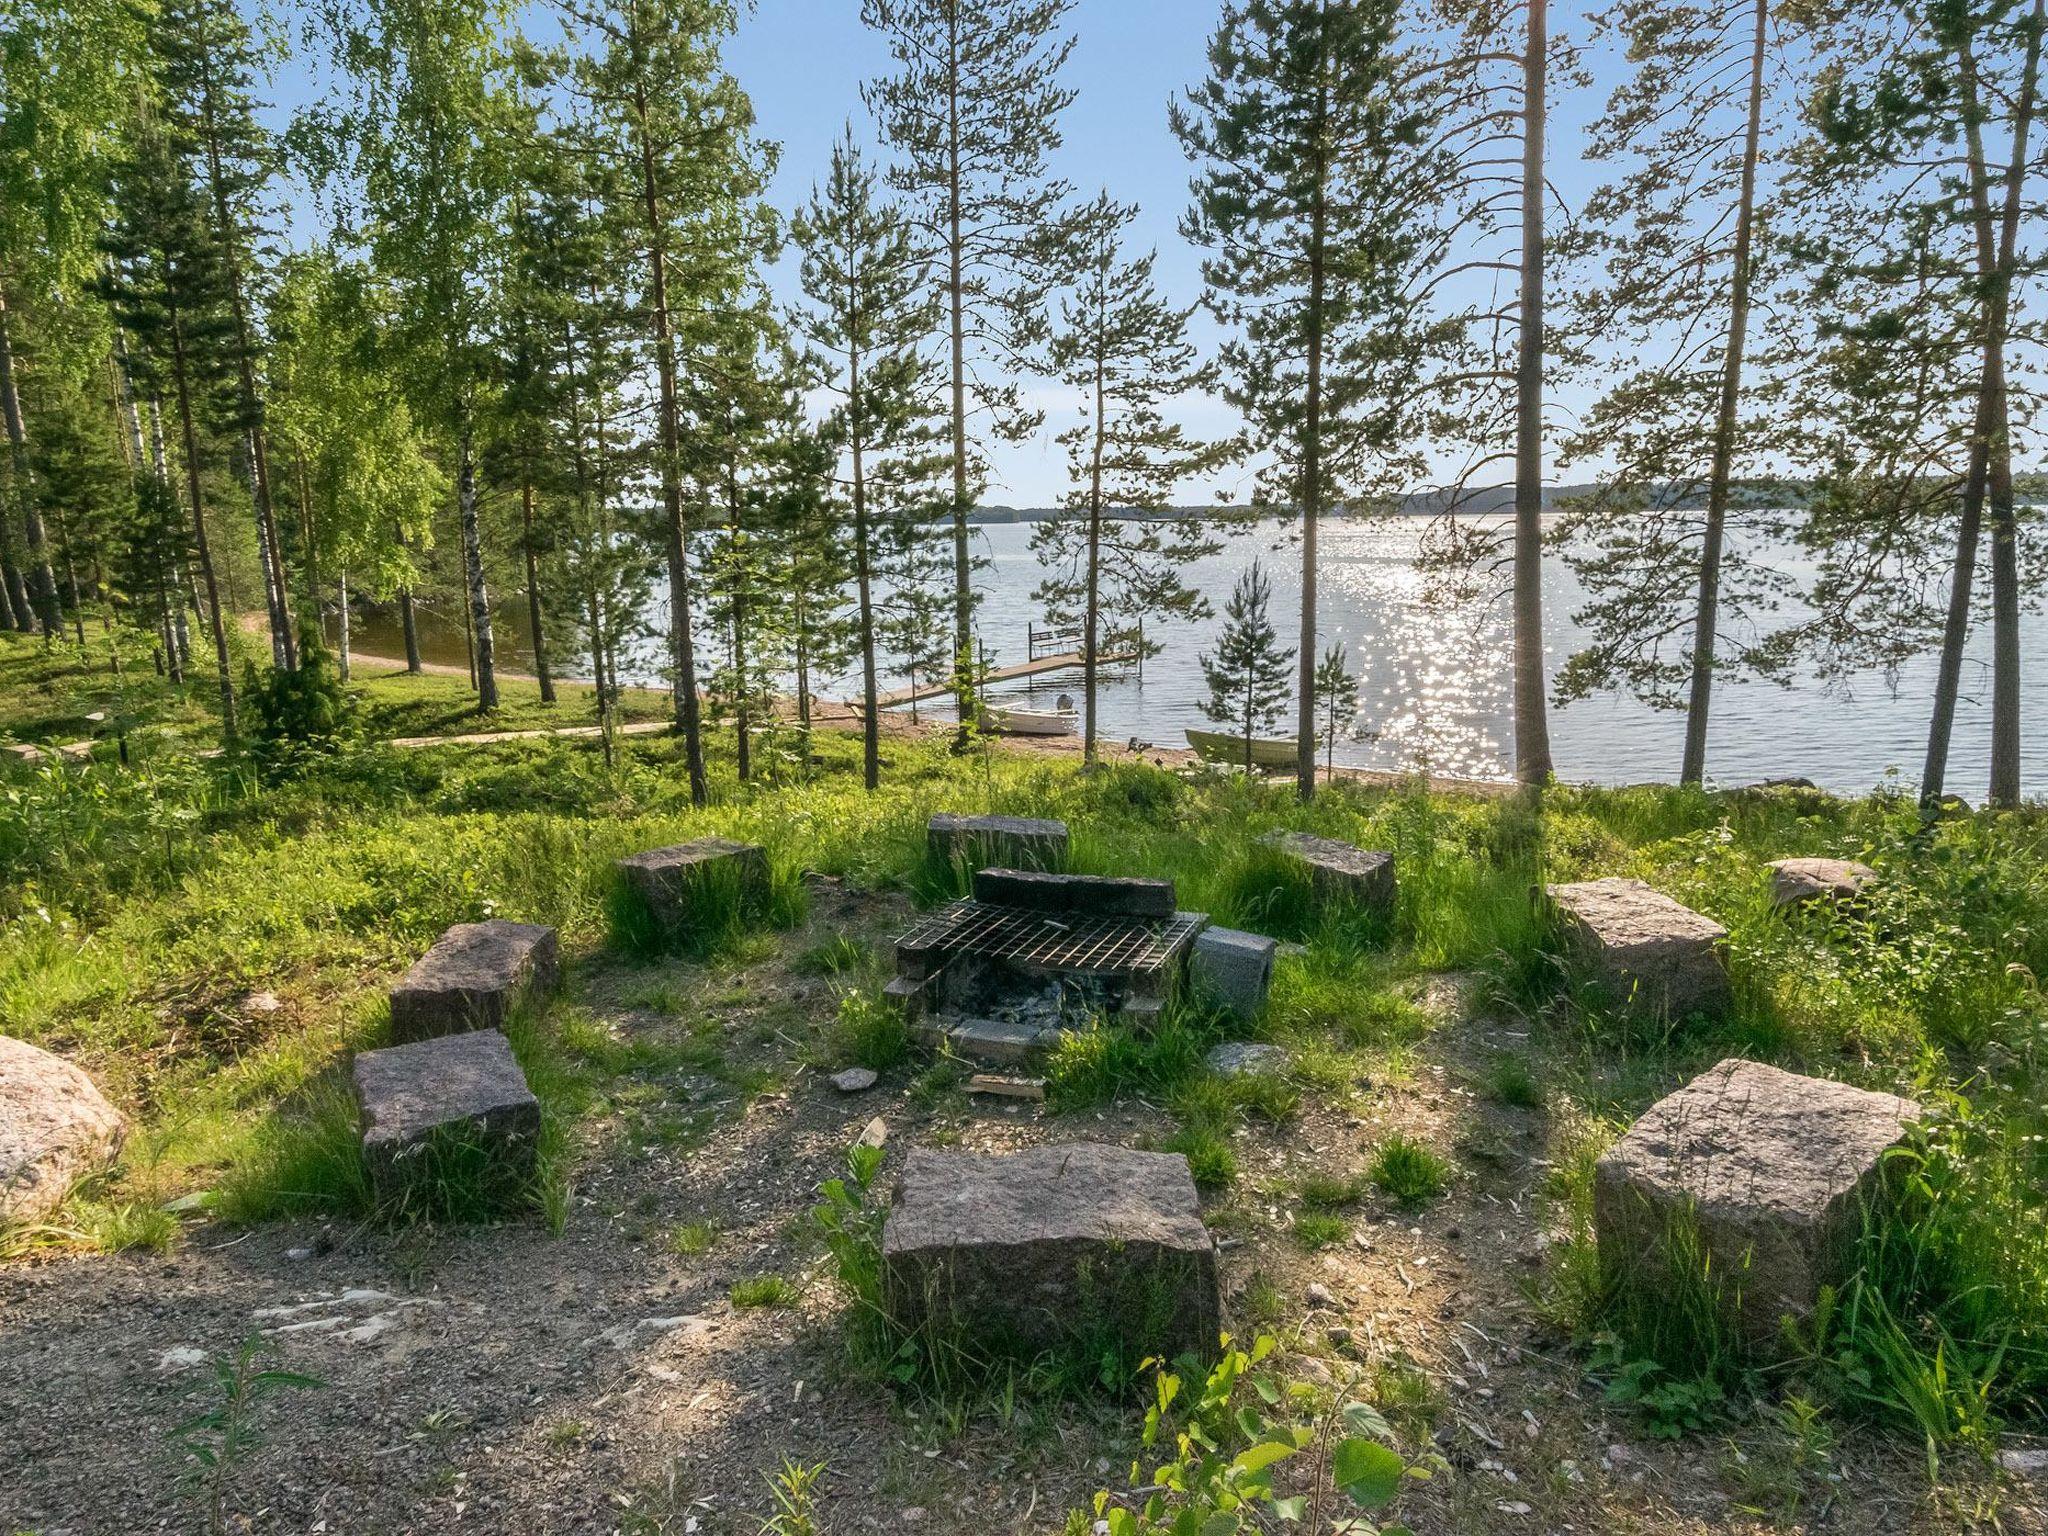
(1434, 684)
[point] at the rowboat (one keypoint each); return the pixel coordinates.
(1267, 752)
(1030, 722)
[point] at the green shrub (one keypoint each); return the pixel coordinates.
(298, 714)
(1214, 1449)
(869, 1032)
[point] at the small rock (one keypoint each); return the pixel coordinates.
(1247, 1058)
(2030, 1462)
(874, 1133)
(912, 1516)
(1339, 1335)
(1512, 1507)
(1319, 1295)
(298, 1255)
(181, 1357)
(854, 1079)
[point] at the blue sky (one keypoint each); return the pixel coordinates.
(802, 62)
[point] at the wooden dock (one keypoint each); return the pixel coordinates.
(1059, 662)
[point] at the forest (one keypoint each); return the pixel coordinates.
(483, 325)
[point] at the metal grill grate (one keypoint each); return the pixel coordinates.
(1110, 945)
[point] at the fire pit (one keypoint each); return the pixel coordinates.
(1030, 954)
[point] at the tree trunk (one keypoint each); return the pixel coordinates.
(285, 644)
(1997, 245)
(540, 646)
(963, 586)
(42, 579)
(1312, 451)
(181, 379)
(863, 571)
(682, 642)
(181, 578)
(341, 634)
(1532, 722)
(742, 701)
(1956, 629)
(1091, 641)
(473, 563)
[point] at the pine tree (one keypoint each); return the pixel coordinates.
(868, 313)
(1248, 672)
(1336, 703)
(169, 292)
(973, 116)
(1114, 554)
(1678, 239)
(679, 130)
(1947, 106)
(1318, 197)
(208, 60)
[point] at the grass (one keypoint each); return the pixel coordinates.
(139, 905)
(764, 1291)
(1408, 1170)
(691, 1238)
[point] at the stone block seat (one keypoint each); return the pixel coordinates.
(666, 878)
(1656, 957)
(474, 977)
(1011, 842)
(1234, 968)
(55, 1129)
(1053, 1245)
(1075, 895)
(1773, 1167)
(1340, 874)
(454, 1096)
(1795, 882)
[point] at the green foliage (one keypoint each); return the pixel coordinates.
(293, 714)
(1245, 1450)
(794, 1488)
(1508, 1080)
(217, 1442)
(869, 1031)
(1250, 672)
(763, 1291)
(1408, 1169)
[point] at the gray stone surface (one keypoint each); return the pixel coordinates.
(1338, 872)
(467, 1086)
(1029, 1249)
(1079, 895)
(999, 1042)
(854, 1079)
(1794, 882)
(55, 1129)
(1013, 842)
(1656, 957)
(662, 877)
(1774, 1167)
(1248, 1058)
(1234, 967)
(473, 978)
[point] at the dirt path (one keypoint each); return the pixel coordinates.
(504, 1380)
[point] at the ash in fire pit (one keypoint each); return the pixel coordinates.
(1031, 954)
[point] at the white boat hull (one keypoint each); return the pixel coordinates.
(1030, 722)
